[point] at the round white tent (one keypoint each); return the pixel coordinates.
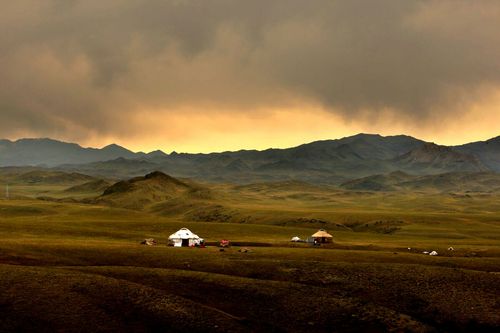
(184, 237)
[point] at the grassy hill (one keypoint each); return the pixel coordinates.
(155, 187)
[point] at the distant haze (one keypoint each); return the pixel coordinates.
(226, 74)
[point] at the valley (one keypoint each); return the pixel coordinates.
(82, 234)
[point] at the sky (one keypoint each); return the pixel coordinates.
(214, 75)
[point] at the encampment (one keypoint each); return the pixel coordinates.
(184, 237)
(321, 236)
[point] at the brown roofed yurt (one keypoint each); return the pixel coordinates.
(321, 236)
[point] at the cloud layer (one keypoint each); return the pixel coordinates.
(82, 69)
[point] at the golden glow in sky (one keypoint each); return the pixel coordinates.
(191, 131)
(203, 76)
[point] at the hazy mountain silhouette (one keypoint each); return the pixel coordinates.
(50, 152)
(320, 162)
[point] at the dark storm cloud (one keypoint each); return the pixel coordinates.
(75, 66)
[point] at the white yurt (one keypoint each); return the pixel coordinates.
(184, 237)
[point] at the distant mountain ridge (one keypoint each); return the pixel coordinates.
(319, 162)
(48, 152)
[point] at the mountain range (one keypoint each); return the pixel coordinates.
(320, 162)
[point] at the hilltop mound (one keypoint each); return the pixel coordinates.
(153, 181)
(140, 192)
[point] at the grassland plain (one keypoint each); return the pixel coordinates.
(67, 265)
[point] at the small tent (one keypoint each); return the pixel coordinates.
(296, 239)
(149, 242)
(321, 236)
(184, 237)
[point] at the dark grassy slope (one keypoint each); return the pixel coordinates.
(63, 263)
(266, 290)
(77, 302)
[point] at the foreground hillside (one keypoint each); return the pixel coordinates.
(73, 267)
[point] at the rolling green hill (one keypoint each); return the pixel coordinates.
(140, 192)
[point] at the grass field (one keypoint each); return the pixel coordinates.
(74, 266)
